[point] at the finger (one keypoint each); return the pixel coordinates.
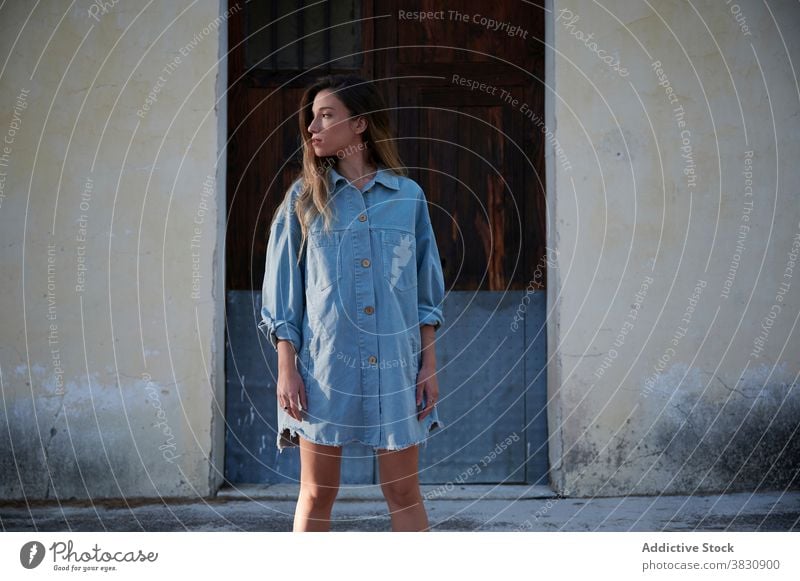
(420, 389)
(430, 401)
(303, 399)
(424, 412)
(288, 407)
(295, 407)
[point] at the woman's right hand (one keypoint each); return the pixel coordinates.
(291, 390)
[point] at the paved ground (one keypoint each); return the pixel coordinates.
(463, 508)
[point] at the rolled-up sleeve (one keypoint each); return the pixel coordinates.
(430, 278)
(283, 289)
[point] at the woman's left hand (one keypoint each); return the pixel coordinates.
(427, 386)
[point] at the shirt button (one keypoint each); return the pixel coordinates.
(363, 217)
(365, 262)
(369, 310)
(372, 360)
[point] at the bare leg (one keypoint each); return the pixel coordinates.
(320, 467)
(399, 472)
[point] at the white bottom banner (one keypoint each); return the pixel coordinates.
(361, 555)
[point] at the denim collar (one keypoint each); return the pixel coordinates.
(383, 175)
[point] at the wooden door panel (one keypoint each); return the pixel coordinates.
(468, 155)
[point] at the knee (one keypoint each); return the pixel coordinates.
(401, 494)
(318, 495)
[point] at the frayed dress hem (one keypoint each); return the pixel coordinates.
(289, 438)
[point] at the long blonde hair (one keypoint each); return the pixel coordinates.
(361, 98)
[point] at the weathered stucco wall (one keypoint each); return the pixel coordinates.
(112, 228)
(674, 336)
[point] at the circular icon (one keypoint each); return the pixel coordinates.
(31, 554)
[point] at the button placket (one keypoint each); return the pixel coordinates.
(365, 323)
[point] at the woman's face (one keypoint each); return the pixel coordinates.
(333, 131)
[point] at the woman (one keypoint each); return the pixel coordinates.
(352, 297)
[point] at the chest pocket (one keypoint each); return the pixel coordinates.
(324, 259)
(399, 259)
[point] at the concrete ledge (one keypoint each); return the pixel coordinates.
(372, 492)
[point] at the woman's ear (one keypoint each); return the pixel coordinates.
(361, 124)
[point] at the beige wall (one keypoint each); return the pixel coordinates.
(680, 393)
(112, 347)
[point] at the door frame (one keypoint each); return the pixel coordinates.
(218, 380)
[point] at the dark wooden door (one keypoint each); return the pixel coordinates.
(467, 104)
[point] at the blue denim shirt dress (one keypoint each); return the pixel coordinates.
(353, 307)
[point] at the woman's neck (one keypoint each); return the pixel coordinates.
(357, 170)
